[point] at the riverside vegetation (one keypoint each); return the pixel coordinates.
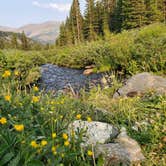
(34, 124)
(121, 38)
(129, 52)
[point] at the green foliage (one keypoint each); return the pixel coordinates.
(71, 32)
(144, 118)
(41, 115)
(102, 18)
(11, 40)
(129, 52)
(133, 14)
(24, 41)
(26, 63)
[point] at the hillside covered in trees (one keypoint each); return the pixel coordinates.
(103, 17)
(11, 40)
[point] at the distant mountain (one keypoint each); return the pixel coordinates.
(7, 29)
(6, 38)
(45, 32)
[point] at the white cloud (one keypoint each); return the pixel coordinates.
(62, 7)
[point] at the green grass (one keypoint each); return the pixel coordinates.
(45, 114)
(127, 53)
(143, 117)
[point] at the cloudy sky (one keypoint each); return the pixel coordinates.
(15, 13)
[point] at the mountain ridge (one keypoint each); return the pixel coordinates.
(45, 32)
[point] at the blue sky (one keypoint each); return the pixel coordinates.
(15, 13)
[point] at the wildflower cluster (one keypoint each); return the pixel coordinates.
(38, 122)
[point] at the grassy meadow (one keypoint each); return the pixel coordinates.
(33, 125)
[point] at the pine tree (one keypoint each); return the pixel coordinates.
(2, 43)
(133, 14)
(14, 42)
(24, 41)
(116, 17)
(62, 37)
(75, 23)
(155, 11)
(161, 6)
(103, 17)
(98, 17)
(89, 23)
(79, 21)
(108, 6)
(70, 32)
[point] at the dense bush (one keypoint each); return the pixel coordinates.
(130, 52)
(26, 63)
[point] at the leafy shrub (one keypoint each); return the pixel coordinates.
(130, 52)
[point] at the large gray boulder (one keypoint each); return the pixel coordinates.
(124, 151)
(95, 132)
(141, 83)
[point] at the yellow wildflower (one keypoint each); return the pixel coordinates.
(6, 74)
(78, 116)
(90, 153)
(16, 73)
(53, 135)
(35, 99)
(19, 127)
(34, 144)
(62, 155)
(62, 102)
(3, 120)
(66, 143)
(44, 142)
(7, 98)
(65, 136)
(53, 149)
(35, 88)
(52, 102)
(89, 119)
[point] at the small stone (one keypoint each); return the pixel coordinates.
(90, 67)
(88, 72)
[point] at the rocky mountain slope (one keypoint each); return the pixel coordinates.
(45, 32)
